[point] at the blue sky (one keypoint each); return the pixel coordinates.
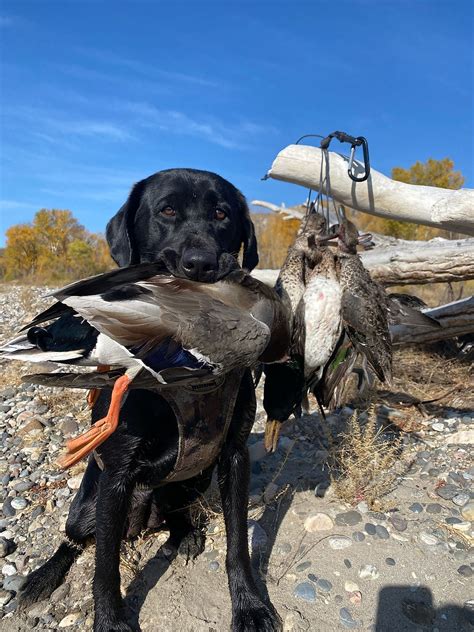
(97, 95)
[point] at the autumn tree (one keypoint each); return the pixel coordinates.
(53, 248)
(434, 173)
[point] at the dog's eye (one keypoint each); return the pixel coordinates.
(168, 211)
(220, 214)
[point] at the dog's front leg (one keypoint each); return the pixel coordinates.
(112, 505)
(249, 612)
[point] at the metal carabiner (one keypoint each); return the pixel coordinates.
(354, 142)
(360, 140)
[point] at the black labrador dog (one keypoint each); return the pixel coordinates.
(193, 220)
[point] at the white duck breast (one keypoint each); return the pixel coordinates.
(322, 308)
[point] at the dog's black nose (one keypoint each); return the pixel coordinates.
(199, 265)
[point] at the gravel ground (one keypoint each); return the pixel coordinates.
(402, 564)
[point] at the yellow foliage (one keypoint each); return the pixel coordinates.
(53, 248)
(274, 236)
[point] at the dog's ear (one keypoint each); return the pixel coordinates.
(119, 231)
(250, 255)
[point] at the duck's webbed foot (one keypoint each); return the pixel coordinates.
(81, 446)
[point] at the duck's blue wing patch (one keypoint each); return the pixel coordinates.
(169, 354)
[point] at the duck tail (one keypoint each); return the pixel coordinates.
(24, 348)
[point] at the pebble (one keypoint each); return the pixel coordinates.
(13, 583)
(305, 591)
(428, 538)
(256, 536)
(312, 577)
(439, 427)
(433, 508)
(355, 598)
(465, 571)
(346, 619)
(8, 569)
(467, 512)
(74, 482)
(69, 620)
(370, 528)
(350, 586)
(461, 499)
(347, 563)
(358, 536)
(303, 566)
(214, 566)
(381, 532)
(368, 571)
(7, 509)
(390, 561)
(318, 522)
(447, 491)
(398, 523)
(19, 503)
(339, 542)
(348, 519)
(5, 597)
(416, 508)
(271, 490)
(6, 547)
(324, 585)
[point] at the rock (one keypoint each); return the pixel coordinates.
(214, 566)
(7, 509)
(368, 571)
(355, 598)
(348, 519)
(8, 569)
(358, 536)
(19, 503)
(439, 427)
(74, 482)
(339, 542)
(271, 490)
(347, 563)
(447, 491)
(462, 437)
(295, 622)
(324, 585)
(318, 522)
(390, 561)
(5, 597)
(302, 567)
(465, 571)
(257, 452)
(363, 507)
(13, 583)
(461, 499)
(467, 512)
(370, 528)
(381, 532)
(350, 586)
(305, 591)
(69, 620)
(433, 508)
(6, 547)
(68, 426)
(398, 523)
(34, 426)
(416, 508)
(60, 594)
(428, 538)
(346, 619)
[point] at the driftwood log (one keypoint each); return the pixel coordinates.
(378, 195)
(413, 262)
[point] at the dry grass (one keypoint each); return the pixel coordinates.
(364, 462)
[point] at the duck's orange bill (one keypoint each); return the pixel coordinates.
(93, 393)
(82, 445)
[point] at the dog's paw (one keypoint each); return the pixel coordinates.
(258, 617)
(34, 589)
(192, 545)
(111, 624)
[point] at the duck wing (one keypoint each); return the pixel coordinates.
(143, 315)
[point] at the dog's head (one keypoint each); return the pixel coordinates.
(191, 219)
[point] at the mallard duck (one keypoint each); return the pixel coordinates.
(174, 329)
(310, 282)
